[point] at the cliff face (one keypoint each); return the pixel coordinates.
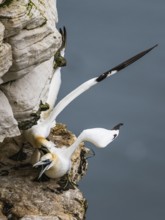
(28, 42)
(23, 197)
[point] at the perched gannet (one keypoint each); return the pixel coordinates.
(57, 162)
(36, 135)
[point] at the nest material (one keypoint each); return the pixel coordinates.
(21, 197)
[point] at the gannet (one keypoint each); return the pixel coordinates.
(57, 162)
(90, 83)
(37, 134)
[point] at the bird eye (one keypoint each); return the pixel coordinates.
(47, 161)
(114, 136)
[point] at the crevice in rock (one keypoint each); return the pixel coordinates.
(22, 196)
(7, 207)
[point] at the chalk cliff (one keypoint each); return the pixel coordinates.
(28, 41)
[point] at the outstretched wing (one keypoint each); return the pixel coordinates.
(124, 64)
(88, 84)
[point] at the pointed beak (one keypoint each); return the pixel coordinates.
(42, 163)
(45, 165)
(117, 127)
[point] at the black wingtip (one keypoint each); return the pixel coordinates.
(151, 48)
(117, 127)
(63, 33)
(124, 64)
(154, 46)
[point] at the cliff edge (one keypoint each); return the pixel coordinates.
(28, 41)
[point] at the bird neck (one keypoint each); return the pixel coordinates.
(70, 150)
(43, 142)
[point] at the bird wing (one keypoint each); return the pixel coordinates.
(124, 64)
(88, 84)
(56, 79)
(53, 90)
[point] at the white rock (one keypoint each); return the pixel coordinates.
(34, 46)
(28, 30)
(5, 54)
(5, 58)
(27, 14)
(25, 94)
(31, 51)
(19, 14)
(2, 29)
(8, 123)
(51, 11)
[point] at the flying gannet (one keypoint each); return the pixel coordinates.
(37, 134)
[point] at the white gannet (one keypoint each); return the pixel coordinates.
(37, 134)
(57, 162)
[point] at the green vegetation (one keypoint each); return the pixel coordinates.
(30, 5)
(24, 125)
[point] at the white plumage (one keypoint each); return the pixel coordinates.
(58, 161)
(39, 132)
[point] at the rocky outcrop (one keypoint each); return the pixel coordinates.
(5, 54)
(28, 42)
(20, 93)
(8, 125)
(23, 197)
